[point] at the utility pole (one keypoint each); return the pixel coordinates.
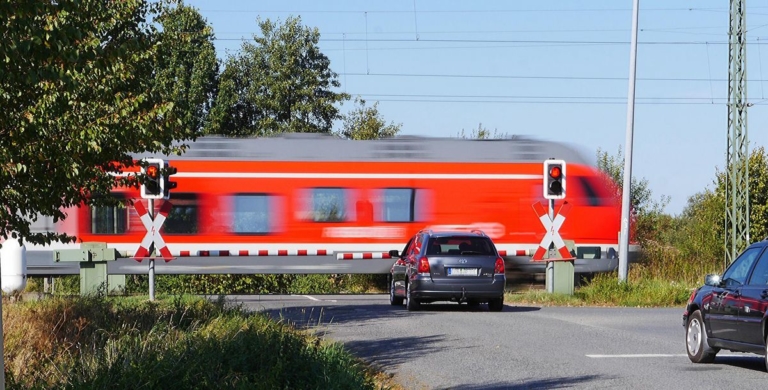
(737, 164)
(625, 199)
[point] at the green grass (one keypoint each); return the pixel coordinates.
(179, 343)
(605, 290)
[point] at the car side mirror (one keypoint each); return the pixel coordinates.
(713, 280)
(394, 253)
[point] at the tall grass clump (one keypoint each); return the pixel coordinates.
(637, 291)
(191, 343)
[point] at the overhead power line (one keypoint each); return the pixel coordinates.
(607, 78)
(708, 99)
(543, 102)
(471, 11)
(536, 42)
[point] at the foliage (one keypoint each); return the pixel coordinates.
(640, 194)
(694, 242)
(76, 91)
(639, 292)
(366, 123)
(646, 212)
(482, 133)
(186, 66)
(180, 343)
(280, 82)
(605, 290)
(257, 284)
(758, 194)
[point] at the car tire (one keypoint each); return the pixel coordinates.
(765, 358)
(410, 303)
(496, 304)
(696, 343)
(393, 299)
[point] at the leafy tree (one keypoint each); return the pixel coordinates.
(366, 123)
(699, 231)
(482, 133)
(76, 93)
(187, 69)
(647, 213)
(281, 82)
(641, 196)
(700, 228)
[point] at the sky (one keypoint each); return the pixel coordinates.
(551, 69)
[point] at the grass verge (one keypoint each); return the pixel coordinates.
(179, 343)
(605, 290)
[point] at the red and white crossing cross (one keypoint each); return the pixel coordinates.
(153, 232)
(552, 227)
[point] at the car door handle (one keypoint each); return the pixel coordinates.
(764, 294)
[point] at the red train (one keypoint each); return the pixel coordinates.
(317, 195)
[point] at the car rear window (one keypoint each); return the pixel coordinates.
(461, 245)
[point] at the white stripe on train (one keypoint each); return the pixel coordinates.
(341, 251)
(329, 175)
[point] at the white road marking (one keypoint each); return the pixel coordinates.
(314, 299)
(308, 297)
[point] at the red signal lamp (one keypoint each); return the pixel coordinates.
(555, 172)
(153, 172)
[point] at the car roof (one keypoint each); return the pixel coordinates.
(452, 233)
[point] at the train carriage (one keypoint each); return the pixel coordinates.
(312, 195)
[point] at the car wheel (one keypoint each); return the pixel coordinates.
(394, 300)
(496, 304)
(410, 303)
(696, 342)
(766, 351)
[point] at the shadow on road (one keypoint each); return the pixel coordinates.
(551, 383)
(748, 361)
(389, 353)
(323, 314)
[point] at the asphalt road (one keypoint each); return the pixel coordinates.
(447, 346)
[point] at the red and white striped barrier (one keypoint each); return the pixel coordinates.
(258, 252)
(363, 256)
(153, 232)
(552, 227)
(300, 252)
(517, 252)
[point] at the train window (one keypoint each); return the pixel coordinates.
(109, 220)
(252, 213)
(182, 219)
(397, 205)
(329, 204)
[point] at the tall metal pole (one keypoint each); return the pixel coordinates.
(625, 206)
(550, 270)
(152, 254)
(737, 164)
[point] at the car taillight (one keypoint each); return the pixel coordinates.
(424, 265)
(499, 269)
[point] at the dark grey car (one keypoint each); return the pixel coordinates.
(448, 266)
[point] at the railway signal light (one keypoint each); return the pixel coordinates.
(554, 179)
(152, 187)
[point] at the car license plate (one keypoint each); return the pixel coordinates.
(462, 271)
